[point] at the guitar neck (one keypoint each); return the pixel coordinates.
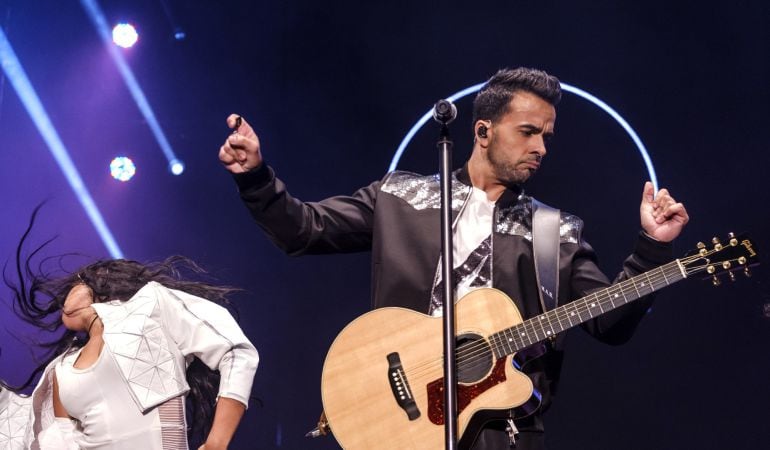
(544, 326)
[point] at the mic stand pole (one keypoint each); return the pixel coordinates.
(450, 382)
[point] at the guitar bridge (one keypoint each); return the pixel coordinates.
(399, 386)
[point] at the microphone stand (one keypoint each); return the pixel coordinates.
(444, 116)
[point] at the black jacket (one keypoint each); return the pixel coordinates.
(397, 219)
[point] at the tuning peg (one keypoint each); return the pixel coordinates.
(733, 240)
(715, 281)
(747, 272)
(726, 264)
(701, 245)
(710, 269)
(715, 240)
(732, 276)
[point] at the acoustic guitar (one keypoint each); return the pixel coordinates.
(382, 381)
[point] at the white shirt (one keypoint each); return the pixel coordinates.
(102, 405)
(472, 228)
(471, 249)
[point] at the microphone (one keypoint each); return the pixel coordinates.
(444, 112)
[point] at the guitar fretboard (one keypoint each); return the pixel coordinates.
(564, 317)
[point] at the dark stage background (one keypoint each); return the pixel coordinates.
(331, 88)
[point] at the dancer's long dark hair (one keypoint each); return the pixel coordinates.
(39, 296)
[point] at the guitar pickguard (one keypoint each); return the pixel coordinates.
(465, 393)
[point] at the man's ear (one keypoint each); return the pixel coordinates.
(482, 131)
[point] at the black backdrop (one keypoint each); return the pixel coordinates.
(332, 87)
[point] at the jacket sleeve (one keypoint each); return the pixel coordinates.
(339, 224)
(207, 331)
(16, 420)
(617, 326)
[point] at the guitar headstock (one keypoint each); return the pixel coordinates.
(737, 253)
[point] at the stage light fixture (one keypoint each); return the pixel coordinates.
(122, 168)
(96, 15)
(124, 35)
(176, 167)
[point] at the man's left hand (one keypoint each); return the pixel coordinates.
(662, 217)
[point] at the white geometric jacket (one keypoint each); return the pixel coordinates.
(152, 337)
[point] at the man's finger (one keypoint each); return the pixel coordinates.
(232, 120)
(648, 194)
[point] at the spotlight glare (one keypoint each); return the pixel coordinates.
(124, 35)
(179, 34)
(176, 167)
(122, 168)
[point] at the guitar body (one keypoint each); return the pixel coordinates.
(382, 382)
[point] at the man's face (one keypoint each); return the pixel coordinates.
(517, 141)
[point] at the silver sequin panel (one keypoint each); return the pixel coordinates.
(423, 191)
(516, 220)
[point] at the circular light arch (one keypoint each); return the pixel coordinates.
(566, 87)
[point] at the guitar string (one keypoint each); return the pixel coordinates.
(480, 352)
(473, 355)
(567, 313)
(482, 348)
(479, 359)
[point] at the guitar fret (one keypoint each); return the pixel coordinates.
(592, 305)
(510, 339)
(609, 296)
(494, 339)
(650, 287)
(558, 321)
(518, 340)
(599, 302)
(530, 333)
(550, 331)
(506, 340)
(569, 317)
(623, 287)
(631, 280)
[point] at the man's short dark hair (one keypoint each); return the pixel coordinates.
(492, 101)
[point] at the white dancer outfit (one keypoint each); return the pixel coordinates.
(132, 397)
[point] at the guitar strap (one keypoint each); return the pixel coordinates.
(545, 246)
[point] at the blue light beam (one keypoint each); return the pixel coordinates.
(100, 22)
(15, 73)
(572, 89)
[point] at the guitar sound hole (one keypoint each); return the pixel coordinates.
(474, 358)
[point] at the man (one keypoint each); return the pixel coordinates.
(397, 219)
